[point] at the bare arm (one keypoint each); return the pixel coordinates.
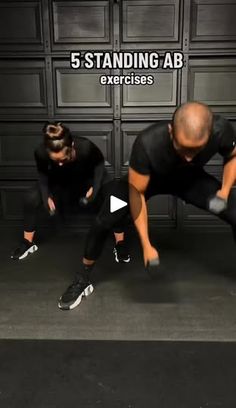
(229, 176)
(140, 182)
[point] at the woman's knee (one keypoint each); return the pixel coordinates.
(95, 240)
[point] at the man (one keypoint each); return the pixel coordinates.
(169, 159)
(71, 173)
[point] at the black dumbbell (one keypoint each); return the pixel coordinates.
(83, 201)
(217, 204)
(152, 267)
(52, 212)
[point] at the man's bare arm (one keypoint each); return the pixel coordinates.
(229, 176)
(140, 182)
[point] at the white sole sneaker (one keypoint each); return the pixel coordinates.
(31, 250)
(87, 291)
(117, 259)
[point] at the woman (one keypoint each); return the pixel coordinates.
(71, 173)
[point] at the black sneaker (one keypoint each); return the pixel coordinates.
(121, 252)
(26, 247)
(74, 293)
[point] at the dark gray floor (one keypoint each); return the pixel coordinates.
(194, 300)
(117, 374)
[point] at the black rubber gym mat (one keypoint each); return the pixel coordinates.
(116, 374)
(193, 300)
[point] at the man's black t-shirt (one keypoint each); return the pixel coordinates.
(85, 171)
(153, 152)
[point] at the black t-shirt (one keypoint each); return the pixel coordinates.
(153, 152)
(85, 171)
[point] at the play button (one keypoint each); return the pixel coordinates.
(115, 196)
(116, 204)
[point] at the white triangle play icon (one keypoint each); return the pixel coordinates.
(116, 204)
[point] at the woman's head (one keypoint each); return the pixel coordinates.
(58, 142)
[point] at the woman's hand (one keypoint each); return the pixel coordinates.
(89, 193)
(51, 205)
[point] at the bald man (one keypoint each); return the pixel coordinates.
(168, 158)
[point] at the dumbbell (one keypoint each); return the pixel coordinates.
(217, 204)
(83, 201)
(152, 267)
(52, 212)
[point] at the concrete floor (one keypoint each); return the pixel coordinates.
(195, 299)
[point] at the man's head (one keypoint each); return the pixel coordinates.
(191, 128)
(58, 142)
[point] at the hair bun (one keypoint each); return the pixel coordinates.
(54, 132)
(56, 136)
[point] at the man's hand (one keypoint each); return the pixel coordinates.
(229, 177)
(218, 202)
(140, 182)
(89, 193)
(51, 205)
(149, 254)
(222, 193)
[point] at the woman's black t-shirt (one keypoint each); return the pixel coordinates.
(86, 170)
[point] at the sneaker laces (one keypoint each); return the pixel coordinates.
(79, 282)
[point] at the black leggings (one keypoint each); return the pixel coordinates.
(67, 199)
